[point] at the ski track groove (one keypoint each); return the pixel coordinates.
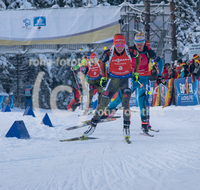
(135, 167)
(82, 170)
(104, 170)
(124, 167)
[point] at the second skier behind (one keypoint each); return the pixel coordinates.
(93, 71)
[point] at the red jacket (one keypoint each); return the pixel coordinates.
(165, 74)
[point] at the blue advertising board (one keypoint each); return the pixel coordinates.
(150, 96)
(183, 99)
(198, 87)
(39, 21)
(134, 99)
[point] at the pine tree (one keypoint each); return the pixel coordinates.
(6, 69)
(187, 26)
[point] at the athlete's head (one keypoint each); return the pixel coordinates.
(119, 42)
(139, 41)
(93, 58)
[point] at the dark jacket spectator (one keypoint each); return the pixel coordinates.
(153, 74)
(192, 65)
(184, 70)
(172, 74)
(196, 72)
(28, 95)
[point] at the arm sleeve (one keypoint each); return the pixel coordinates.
(157, 59)
(104, 58)
(135, 54)
(82, 63)
(77, 66)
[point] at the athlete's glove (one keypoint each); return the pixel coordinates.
(160, 80)
(84, 70)
(136, 77)
(103, 81)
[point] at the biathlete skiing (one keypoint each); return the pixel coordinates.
(144, 70)
(93, 72)
(117, 75)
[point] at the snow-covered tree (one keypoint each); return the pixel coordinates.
(2, 5)
(188, 30)
(6, 70)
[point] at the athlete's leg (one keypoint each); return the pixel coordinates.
(116, 102)
(109, 91)
(126, 95)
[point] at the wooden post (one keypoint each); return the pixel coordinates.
(173, 30)
(147, 19)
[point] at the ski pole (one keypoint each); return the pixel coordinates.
(76, 79)
(149, 92)
(165, 86)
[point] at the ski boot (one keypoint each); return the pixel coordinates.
(148, 124)
(145, 128)
(145, 125)
(126, 131)
(91, 128)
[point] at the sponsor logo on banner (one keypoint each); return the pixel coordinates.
(184, 99)
(39, 21)
(26, 23)
(150, 96)
(133, 99)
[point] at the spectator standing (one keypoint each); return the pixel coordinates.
(165, 73)
(184, 70)
(28, 95)
(153, 74)
(196, 72)
(178, 70)
(192, 66)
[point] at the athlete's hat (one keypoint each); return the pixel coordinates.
(139, 39)
(93, 55)
(119, 38)
(195, 56)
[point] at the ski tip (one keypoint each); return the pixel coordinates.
(146, 134)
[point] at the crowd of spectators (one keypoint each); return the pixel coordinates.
(179, 70)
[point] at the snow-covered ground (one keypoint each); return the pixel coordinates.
(168, 161)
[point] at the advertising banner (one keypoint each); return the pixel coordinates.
(198, 84)
(150, 96)
(59, 26)
(169, 92)
(193, 49)
(134, 99)
(163, 93)
(156, 95)
(182, 98)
